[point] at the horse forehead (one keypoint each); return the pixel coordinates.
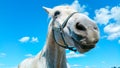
(64, 9)
(67, 10)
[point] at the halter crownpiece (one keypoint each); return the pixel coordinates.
(60, 29)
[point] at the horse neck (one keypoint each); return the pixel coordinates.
(54, 54)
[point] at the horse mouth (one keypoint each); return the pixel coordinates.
(86, 46)
(82, 47)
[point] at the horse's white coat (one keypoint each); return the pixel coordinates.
(52, 55)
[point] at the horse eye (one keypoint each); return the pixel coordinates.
(56, 13)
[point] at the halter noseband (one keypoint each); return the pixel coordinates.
(61, 27)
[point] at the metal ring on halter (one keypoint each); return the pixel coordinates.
(61, 27)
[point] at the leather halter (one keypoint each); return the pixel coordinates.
(60, 28)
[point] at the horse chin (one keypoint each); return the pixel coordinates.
(82, 48)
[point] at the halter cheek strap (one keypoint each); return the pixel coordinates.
(60, 28)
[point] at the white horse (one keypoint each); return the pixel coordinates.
(68, 29)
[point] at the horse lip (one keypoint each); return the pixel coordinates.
(87, 46)
(84, 46)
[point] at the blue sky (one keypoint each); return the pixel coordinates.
(24, 24)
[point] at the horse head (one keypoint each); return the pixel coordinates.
(73, 29)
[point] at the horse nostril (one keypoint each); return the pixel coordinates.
(95, 41)
(80, 27)
(95, 28)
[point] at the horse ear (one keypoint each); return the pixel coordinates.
(48, 10)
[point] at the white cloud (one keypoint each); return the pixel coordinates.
(119, 41)
(113, 31)
(29, 55)
(76, 5)
(2, 54)
(103, 62)
(110, 17)
(34, 39)
(87, 67)
(13, 67)
(24, 39)
(28, 39)
(112, 28)
(68, 66)
(7, 66)
(74, 55)
(102, 16)
(115, 12)
(1, 64)
(105, 36)
(76, 65)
